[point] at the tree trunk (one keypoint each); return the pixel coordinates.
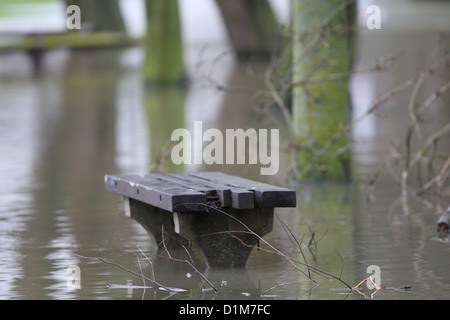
(252, 26)
(321, 102)
(164, 50)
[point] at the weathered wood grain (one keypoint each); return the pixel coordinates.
(199, 191)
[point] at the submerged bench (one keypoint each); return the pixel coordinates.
(223, 215)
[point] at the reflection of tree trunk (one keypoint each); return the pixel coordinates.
(165, 113)
(327, 214)
(321, 107)
(252, 26)
(164, 51)
(100, 15)
(78, 149)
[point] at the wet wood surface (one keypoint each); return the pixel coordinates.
(199, 191)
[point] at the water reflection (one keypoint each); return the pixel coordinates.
(83, 118)
(132, 137)
(165, 113)
(15, 198)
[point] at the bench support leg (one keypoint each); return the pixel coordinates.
(224, 237)
(158, 223)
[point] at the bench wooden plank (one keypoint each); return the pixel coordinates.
(240, 198)
(197, 191)
(212, 190)
(236, 197)
(266, 195)
(158, 193)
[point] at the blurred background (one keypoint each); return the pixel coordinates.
(72, 111)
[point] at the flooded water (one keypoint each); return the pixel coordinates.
(88, 114)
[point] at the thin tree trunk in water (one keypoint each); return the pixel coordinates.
(252, 26)
(321, 51)
(164, 51)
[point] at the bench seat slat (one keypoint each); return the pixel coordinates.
(266, 195)
(193, 192)
(237, 198)
(209, 188)
(158, 193)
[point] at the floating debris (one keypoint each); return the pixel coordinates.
(402, 288)
(443, 224)
(172, 289)
(125, 286)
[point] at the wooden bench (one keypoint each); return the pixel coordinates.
(222, 214)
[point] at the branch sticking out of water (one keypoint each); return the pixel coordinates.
(274, 250)
(189, 263)
(152, 271)
(377, 288)
(369, 278)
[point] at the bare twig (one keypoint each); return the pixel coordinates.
(197, 272)
(294, 262)
(437, 180)
(282, 285)
(418, 156)
(435, 95)
(298, 245)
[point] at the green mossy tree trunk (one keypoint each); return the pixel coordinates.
(164, 63)
(252, 26)
(322, 54)
(100, 15)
